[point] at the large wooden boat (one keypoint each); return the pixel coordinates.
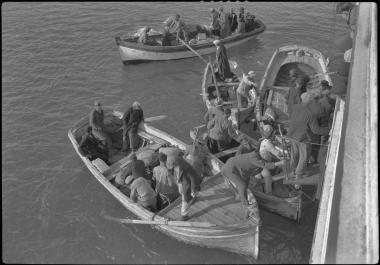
(130, 50)
(216, 219)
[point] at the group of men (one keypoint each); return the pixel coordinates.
(97, 141)
(223, 24)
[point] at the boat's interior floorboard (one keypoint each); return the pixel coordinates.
(215, 203)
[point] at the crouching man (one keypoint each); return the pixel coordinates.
(239, 169)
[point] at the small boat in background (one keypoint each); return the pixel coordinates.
(131, 51)
(216, 220)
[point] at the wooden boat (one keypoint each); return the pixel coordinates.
(216, 219)
(282, 202)
(130, 50)
(227, 92)
(275, 83)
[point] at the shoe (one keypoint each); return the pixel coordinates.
(184, 217)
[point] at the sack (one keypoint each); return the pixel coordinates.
(101, 165)
(171, 151)
(149, 157)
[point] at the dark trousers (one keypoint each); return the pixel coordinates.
(130, 140)
(300, 153)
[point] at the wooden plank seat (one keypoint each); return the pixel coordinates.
(308, 180)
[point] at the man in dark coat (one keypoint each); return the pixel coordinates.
(131, 120)
(303, 124)
(92, 148)
(222, 61)
(240, 168)
(188, 182)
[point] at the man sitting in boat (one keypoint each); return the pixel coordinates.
(92, 148)
(188, 181)
(268, 152)
(250, 21)
(246, 91)
(131, 121)
(239, 169)
(142, 192)
(216, 109)
(165, 181)
(221, 132)
(144, 38)
(223, 65)
(99, 129)
(136, 168)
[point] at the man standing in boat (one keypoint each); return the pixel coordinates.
(246, 91)
(131, 121)
(221, 132)
(222, 62)
(303, 124)
(188, 181)
(176, 25)
(225, 29)
(215, 26)
(99, 129)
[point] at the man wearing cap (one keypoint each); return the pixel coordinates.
(246, 91)
(99, 129)
(188, 181)
(239, 169)
(220, 132)
(131, 121)
(142, 192)
(222, 62)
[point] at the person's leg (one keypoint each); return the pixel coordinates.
(303, 158)
(268, 180)
(125, 141)
(239, 100)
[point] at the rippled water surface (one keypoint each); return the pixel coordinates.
(57, 58)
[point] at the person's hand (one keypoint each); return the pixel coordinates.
(280, 163)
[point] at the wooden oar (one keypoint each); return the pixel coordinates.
(191, 49)
(150, 119)
(166, 222)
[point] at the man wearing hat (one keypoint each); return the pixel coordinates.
(99, 129)
(131, 121)
(188, 181)
(223, 65)
(246, 91)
